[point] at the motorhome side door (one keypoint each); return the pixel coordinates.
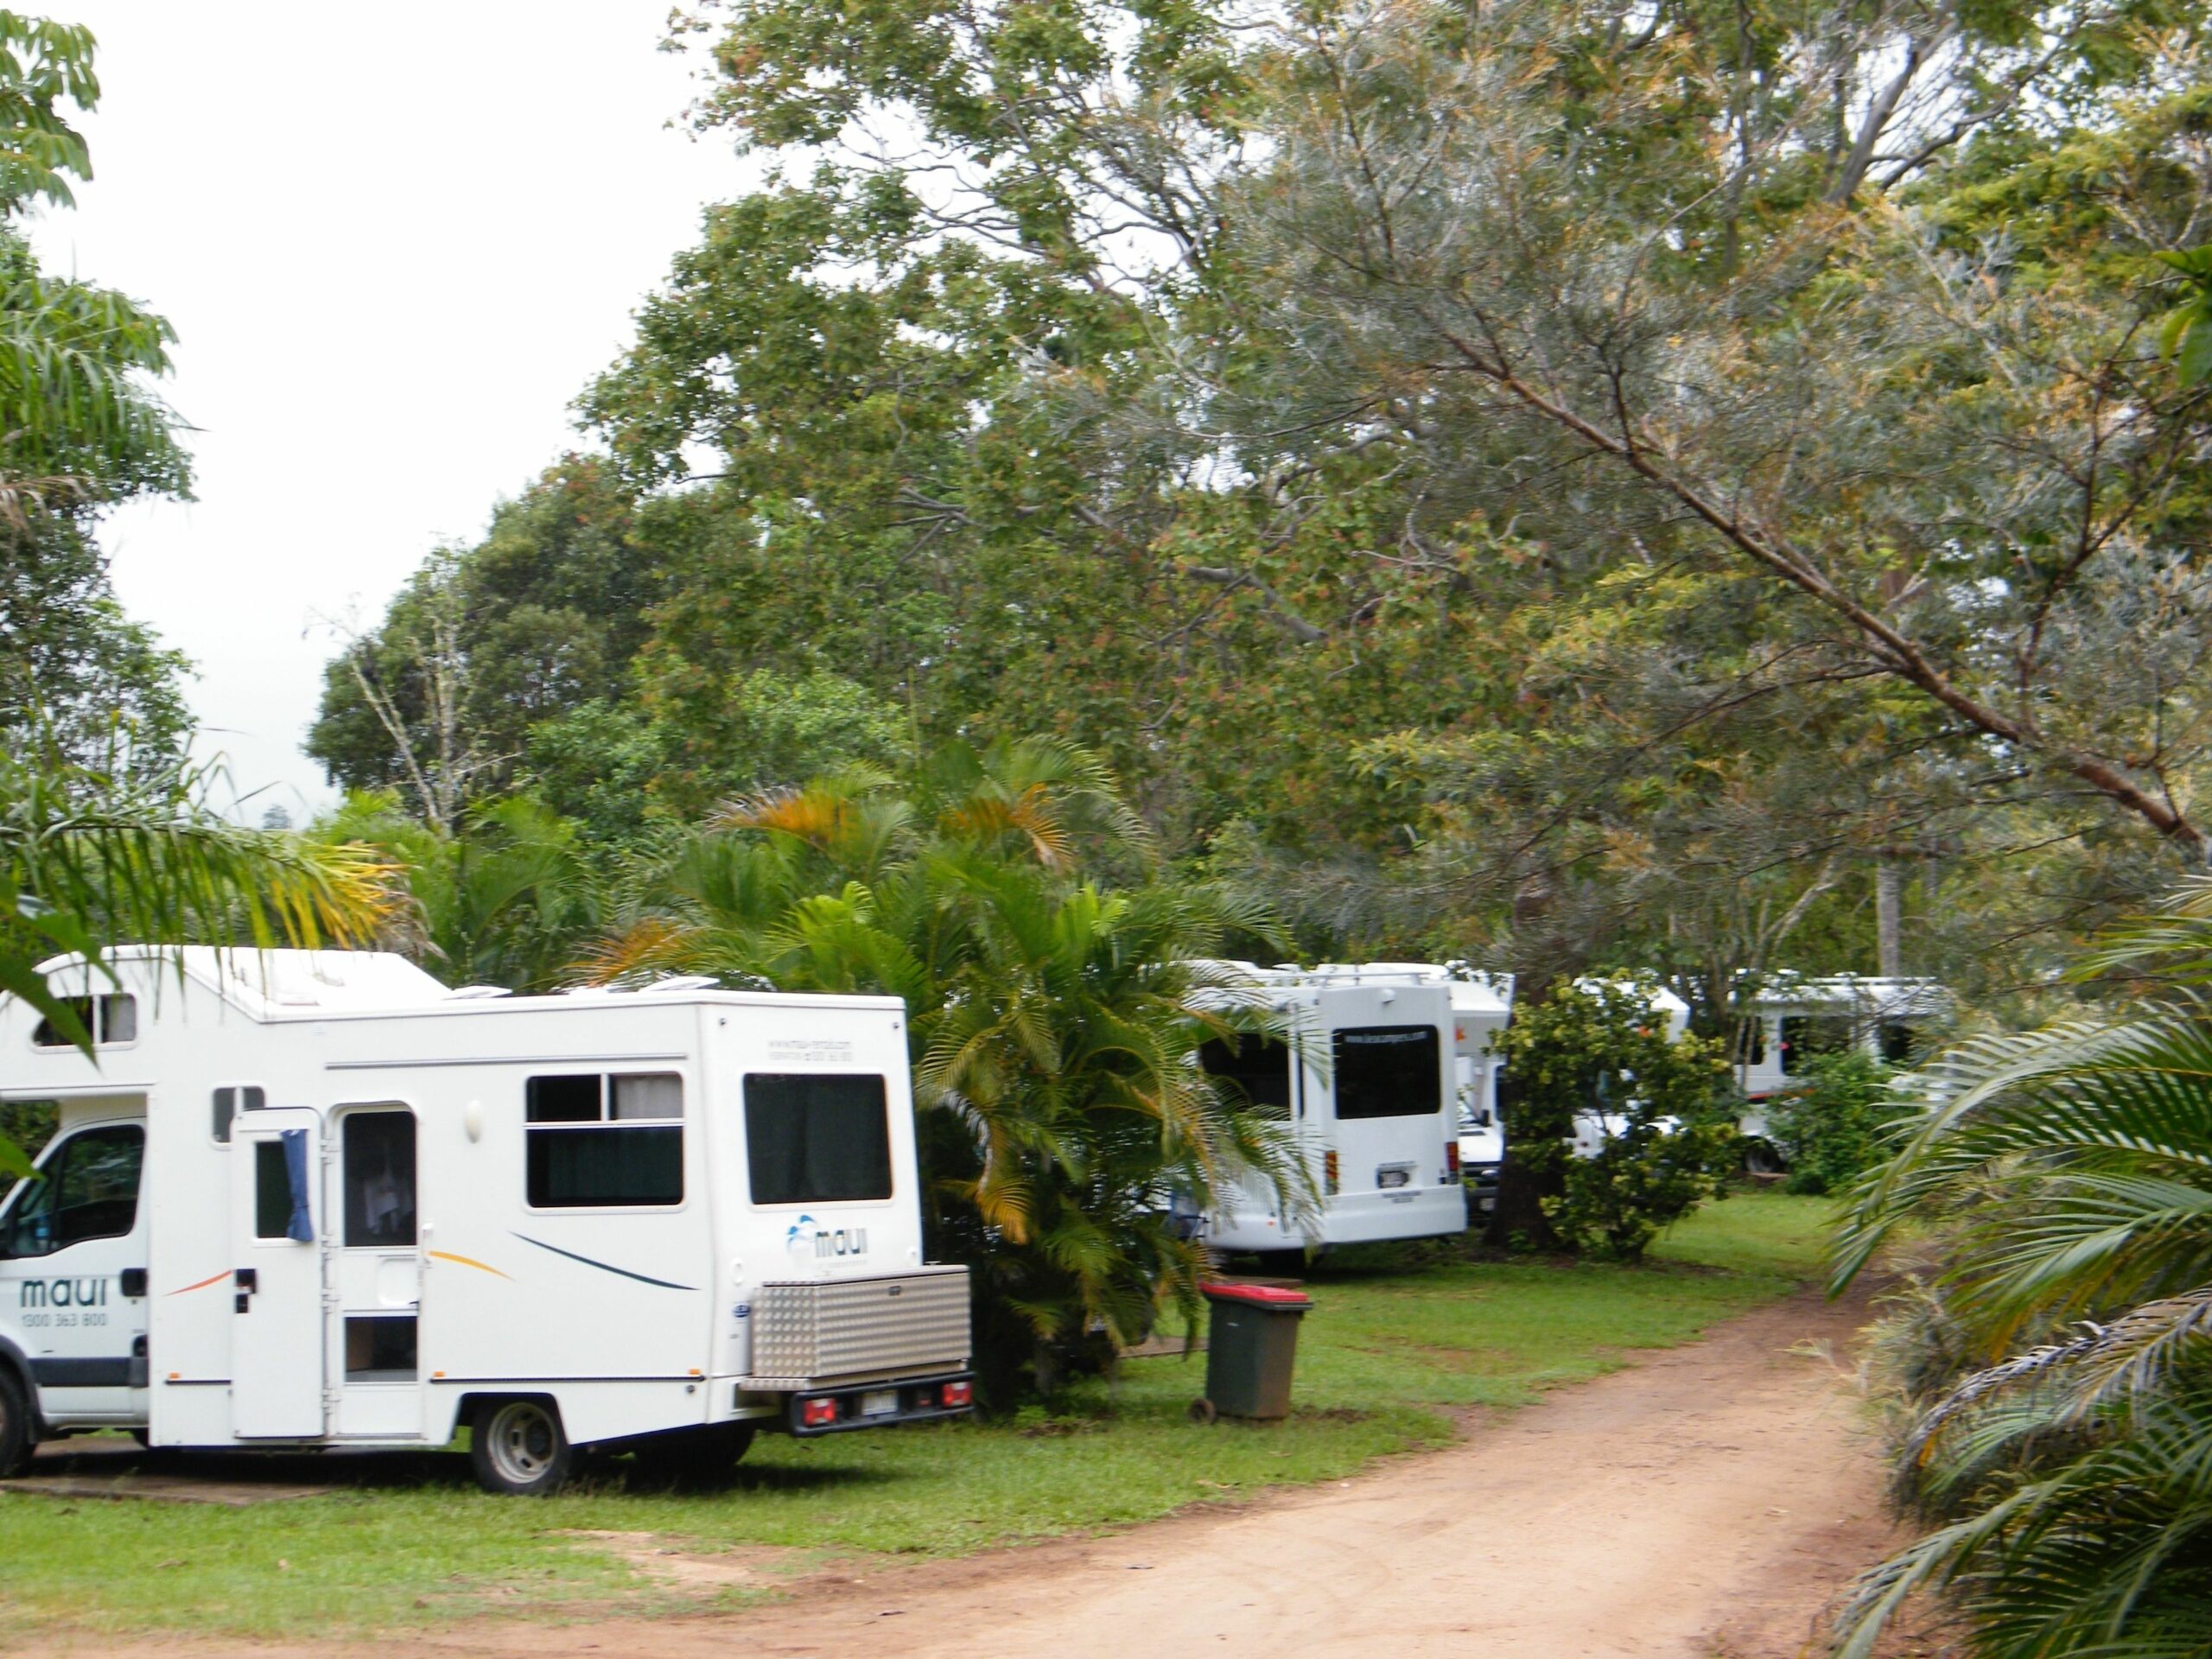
(276, 1229)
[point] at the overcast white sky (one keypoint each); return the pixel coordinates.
(395, 242)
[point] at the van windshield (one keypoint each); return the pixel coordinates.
(1388, 1070)
(811, 1138)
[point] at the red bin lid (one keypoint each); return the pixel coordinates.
(1263, 1295)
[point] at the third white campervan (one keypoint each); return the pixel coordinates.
(1368, 1087)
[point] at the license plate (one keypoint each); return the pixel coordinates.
(883, 1403)
(1390, 1175)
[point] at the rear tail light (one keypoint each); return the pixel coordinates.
(1329, 1181)
(1452, 1158)
(957, 1394)
(817, 1413)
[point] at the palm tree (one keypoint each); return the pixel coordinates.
(508, 896)
(94, 855)
(2066, 1178)
(1054, 1026)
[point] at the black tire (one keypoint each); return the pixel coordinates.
(1281, 1264)
(18, 1434)
(1760, 1158)
(517, 1448)
(1202, 1412)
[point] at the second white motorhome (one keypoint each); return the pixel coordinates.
(1369, 1088)
(1794, 1018)
(316, 1199)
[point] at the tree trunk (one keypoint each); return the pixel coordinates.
(1889, 919)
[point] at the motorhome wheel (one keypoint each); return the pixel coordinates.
(518, 1449)
(17, 1440)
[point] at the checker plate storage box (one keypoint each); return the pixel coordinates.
(888, 1325)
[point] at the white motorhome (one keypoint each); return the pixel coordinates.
(317, 1199)
(1593, 1128)
(1793, 1018)
(1370, 1087)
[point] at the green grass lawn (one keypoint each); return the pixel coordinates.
(1397, 1338)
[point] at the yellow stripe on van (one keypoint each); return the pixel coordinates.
(469, 1262)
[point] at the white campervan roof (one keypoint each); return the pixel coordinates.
(1870, 996)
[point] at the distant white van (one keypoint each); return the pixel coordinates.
(1371, 1091)
(1794, 1018)
(317, 1199)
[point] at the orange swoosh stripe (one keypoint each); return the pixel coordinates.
(204, 1283)
(470, 1262)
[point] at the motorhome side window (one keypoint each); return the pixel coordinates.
(88, 1189)
(816, 1139)
(1259, 1065)
(604, 1141)
(1804, 1035)
(229, 1103)
(108, 1020)
(1388, 1070)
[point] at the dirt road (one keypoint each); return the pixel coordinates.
(1703, 1504)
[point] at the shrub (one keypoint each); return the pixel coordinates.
(1832, 1130)
(1599, 1048)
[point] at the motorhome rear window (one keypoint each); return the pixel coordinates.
(107, 1020)
(817, 1139)
(1388, 1070)
(1258, 1065)
(596, 1141)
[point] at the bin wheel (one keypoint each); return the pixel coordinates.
(1202, 1412)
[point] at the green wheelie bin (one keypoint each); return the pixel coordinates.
(1251, 1349)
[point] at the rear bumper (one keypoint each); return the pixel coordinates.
(1482, 1181)
(1353, 1218)
(920, 1399)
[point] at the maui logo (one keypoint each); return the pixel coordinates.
(62, 1292)
(806, 1233)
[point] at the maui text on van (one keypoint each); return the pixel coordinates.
(315, 1198)
(1370, 1091)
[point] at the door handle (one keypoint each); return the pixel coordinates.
(133, 1282)
(247, 1279)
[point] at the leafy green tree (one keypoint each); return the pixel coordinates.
(542, 617)
(1053, 1020)
(80, 429)
(1595, 1052)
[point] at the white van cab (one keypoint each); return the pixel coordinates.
(317, 1199)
